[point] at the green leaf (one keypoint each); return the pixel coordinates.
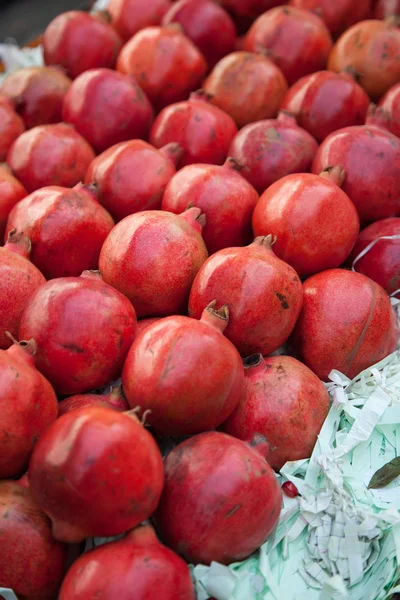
(385, 474)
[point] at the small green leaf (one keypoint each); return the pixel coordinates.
(385, 474)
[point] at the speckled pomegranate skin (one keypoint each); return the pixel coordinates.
(114, 400)
(337, 16)
(390, 103)
(130, 16)
(11, 192)
(11, 126)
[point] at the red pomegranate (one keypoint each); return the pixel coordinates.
(315, 222)
(130, 16)
(11, 126)
(295, 39)
(11, 192)
(381, 261)
(83, 329)
(337, 16)
(32, 562)
(142, 324)
(387, 8)
(324, 102)
(107, 107)
(221, 499)
(50, 155)
(268, 150)
(132, 176)
(138, 567)
(283, 401)
(222, 194)
(203, 131)
(38, 93)
(78, 41)
(19, 279)
(347, 323)
(390, 103)
(165, 63)
(152, 257)
(96, 472)
(263, 293)
(67, 228)
(249, 8)
(370, 157)
(113, 399)
(249, 87)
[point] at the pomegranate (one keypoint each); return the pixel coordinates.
(315, 222)
(113, 399)
(390, 103)
(132, 176)
(247, 86)
(152, 257)
(19, 279)
(221, 499)
(107, 107)
(324, 102)
(250, 8)
(67, 228)
(222, 194)
(387, 8)
(11, 192)
(283, 401)
(83, 329)
(380, 245)
(11, 126)
(370, 156)
(271, 149)
(130, 16)
(32, 562)
(263, 293)
(142, 324)
(295, 39)
(79, 41)
(96, 472)
(371, 50)
(138, 567)
(50, 155)
(347, 323)
(165, 63)
(203, 131)
(337, 16)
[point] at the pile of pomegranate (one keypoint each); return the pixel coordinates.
(200, 220)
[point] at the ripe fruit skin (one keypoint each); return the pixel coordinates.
(315, 222)
(249, 87)
(96, 472)
(249, 8)
(50, 155)
(67, 228)
(74, 358)
(222, 194)
(142, 324)
(38, 93)
(387, 8)
(132, 176)
(164, 62)
(283, 401)
(268, 150)
(11, 192)
(221, 499)
(347, 323)
(324, 102)
(107, 107)
(337, 16)
(263, 293)
(276, 30)
(390, 103)
(28, 406)
(152, 257)
(138, 567)
(114, 400)
(11, 126)
(130, 16)
(78, 41)
(289, 489)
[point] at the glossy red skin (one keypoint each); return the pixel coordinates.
(387, 8)
(50, 155)
(113, 400)
(271, 149)
(220, 501)
(391, 104)
(283, 401)
(11, 192)
(165, 63)
(107, 107)
(142, 324)
(38, 93)
(32, 563)
(307, 213)
(247, 86)
(249, 8)
(289, 489)
(130, 16)
(324, 102)
(138, 567)
(296, 40)
(67, 228)
(152, 257)
(337, 16)
(130, 177)
(11, 126)
(222, 194)
(207, 24)
(264, 295)
(78, 41)
(28, 407)
(347, 323)
(382, 261)
(74, 358)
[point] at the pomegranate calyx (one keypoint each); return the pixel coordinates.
(201, 95)
(233, 164)
(335, 174)
(265, 240)
(217, 318)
